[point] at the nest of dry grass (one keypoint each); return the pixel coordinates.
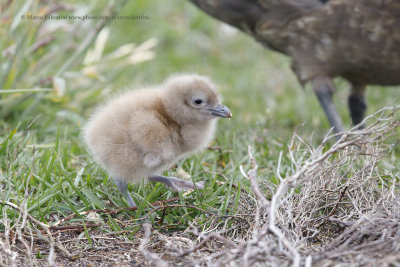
(338, 204)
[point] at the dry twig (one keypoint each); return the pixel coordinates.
(150, 256)
(205, 240)
(113, 211)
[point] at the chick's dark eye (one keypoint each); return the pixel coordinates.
(198, 101)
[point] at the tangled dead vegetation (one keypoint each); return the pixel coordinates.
(336, 204)
(339, 205)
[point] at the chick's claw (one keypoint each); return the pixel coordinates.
(176, 184)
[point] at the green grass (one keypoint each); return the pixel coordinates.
(44, 103)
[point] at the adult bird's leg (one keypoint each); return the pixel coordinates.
(324, 89)
(175, 183)
(123, 187)
(357, 104)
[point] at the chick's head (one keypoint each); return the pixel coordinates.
(191, 98)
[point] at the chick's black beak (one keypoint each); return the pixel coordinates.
(221, 111)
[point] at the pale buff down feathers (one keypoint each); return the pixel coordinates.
(143, 132)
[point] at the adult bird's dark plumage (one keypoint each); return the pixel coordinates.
(358, 40)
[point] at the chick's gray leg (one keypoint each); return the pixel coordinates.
(123, 187)
(357, 104)
(324, 88)
(175, 183)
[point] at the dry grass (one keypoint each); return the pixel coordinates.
(337, 204)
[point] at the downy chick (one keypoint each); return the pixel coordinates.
(141, 133)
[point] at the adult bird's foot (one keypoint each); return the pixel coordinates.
(175, 183)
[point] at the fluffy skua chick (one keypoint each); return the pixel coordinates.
(141, 133)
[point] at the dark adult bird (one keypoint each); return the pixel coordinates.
(358, 40)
